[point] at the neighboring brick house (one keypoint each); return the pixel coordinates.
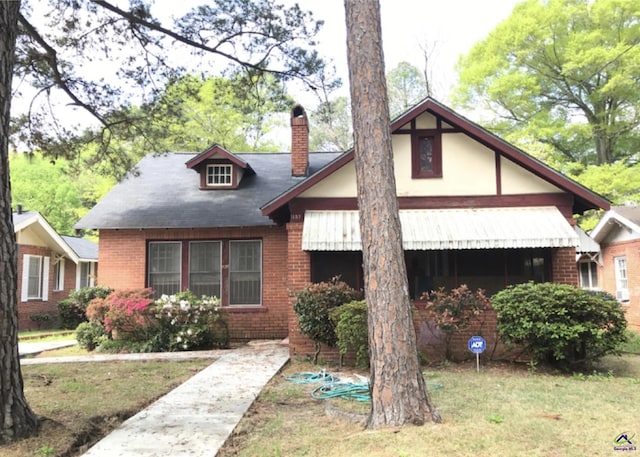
(50, 266)
(255, 228)
(618, 234)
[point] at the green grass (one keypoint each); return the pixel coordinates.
(502, 411)
(633, 342)
(46, 335)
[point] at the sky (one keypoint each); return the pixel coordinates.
(449, 27)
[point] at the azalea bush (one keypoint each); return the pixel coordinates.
(73, 310)
(313, 305)
(187, 322)
(125, 312)
(559, 324)
(454, 310)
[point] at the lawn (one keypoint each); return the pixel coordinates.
(81, 402)
(504, 410)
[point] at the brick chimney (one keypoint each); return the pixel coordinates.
(299, 142)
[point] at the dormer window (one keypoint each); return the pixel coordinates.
(219, 169)
(219, 175)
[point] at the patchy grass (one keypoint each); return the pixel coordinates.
(633, 342)
(81, 403)
(504, 410)
(46, 335)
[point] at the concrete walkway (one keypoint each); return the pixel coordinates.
(197, 417)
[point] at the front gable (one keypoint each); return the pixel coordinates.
(446, 160)
(620, 224)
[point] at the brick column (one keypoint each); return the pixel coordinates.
(564, 269)
(298, 277)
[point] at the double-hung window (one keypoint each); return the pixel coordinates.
(204, 268)
(219, 175)
(58, 275)
(588, 274)
(35, 278)
(622, 283)
(165, 262)
(245, 272)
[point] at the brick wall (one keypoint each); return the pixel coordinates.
(607, 278)
(122, 255)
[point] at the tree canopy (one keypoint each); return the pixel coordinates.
(565, 73)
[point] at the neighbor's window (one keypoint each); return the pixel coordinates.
(58, 275)
(204, 268)
(245, 272)
(86, 275)
(588, 275)
(34, 288)
(165, 262)
(426, 156)
(219, 175)
(622, 284)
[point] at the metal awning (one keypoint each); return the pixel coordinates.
(444, 229)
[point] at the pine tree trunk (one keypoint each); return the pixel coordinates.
(16, 418)
(398, 390)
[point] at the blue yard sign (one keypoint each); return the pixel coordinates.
(477, 345)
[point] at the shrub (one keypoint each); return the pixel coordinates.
(560, 324)
(123, 311)
(312, 309)
(90, 335)
(187, 322)
(455, 310)
(73, 309)
(351, 329)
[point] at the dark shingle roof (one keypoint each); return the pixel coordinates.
(166, 194)
(85, 249)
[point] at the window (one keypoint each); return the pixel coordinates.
(426, 156)
(86, 275)
(35, 278)
(204, 268)
(622, 284)
(219, 175)
(58, 275)
(229, 270)
(245, 272)
(34, 287)
(165, 259)
(588, 274)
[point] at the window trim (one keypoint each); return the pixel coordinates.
(260, 272)
(593, 274)
(58, 275)
(212, 166)
(148, 261)
(436, 150)
(188, 262)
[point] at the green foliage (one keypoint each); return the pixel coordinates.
(332, 126)
(90, 335)
(312, 308)
(52, 189)
(351, 329)
(188, 322)
(560, 324)
(561, 77)
(406, 86)
(73, 310)
(632, 343)
(455, 310)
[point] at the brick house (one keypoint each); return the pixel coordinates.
(618, 234)
(255, 228)
(50, 266)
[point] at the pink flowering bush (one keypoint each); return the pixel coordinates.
(123, 311)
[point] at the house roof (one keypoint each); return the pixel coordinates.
(166, 194)
(441, 229)
(86, 250)
(43, 229)
(219, 152)
(617, 216)
(584, 199)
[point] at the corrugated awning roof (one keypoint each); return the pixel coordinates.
(442, 229)
(587, 245)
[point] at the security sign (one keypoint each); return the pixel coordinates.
(477, 344)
